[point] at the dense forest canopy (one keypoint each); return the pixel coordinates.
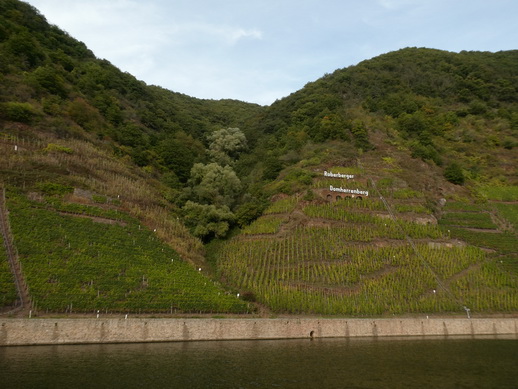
(430, 101)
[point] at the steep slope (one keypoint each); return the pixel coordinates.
(79, 136)
(95, 161)
(370, 244)
(431, 136)
(443, 107)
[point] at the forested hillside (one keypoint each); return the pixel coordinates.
(238, 194)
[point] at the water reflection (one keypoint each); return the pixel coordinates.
(321, 363)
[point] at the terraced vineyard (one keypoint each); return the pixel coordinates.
(350, 257)
(7, 287)
(492, 226)
(105, 260)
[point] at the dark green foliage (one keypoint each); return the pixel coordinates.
(25, 49)
(272, 166)
(453, 173)
(179, 153)
(207, 220)
(361, 139)
(47, 79)
(249, 211)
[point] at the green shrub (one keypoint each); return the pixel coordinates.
(18, 112)
(454, 174)
(99, 199)
(53, 188)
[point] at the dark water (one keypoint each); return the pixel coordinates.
(326, 363)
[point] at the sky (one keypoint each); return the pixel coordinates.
(259, 51)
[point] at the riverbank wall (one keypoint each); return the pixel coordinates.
(15, 332)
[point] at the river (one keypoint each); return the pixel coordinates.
(482, 362)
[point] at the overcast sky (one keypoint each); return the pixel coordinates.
(262, 50)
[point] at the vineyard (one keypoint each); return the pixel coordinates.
(107, 261)
(350, 257)
(491, 226)
(8, 294)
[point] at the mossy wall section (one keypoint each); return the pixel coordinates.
(82, 331)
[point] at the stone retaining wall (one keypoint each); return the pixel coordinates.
(78, 331)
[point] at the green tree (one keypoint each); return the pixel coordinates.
(225, 145)
(361, 138)
(179, 153)
(214, 184)
(207, 220)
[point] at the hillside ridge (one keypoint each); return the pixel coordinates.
(236, 192)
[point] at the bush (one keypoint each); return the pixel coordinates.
(453, 173)
(17, 112)
(99, 199)
(54, 189)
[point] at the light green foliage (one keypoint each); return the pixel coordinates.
(468, 219)
(489, 288)
(406, 193)
(214, 184)
(52, 147)
(293, 181)
(346, 170)
(99, 199)
(17, 112)
(264, 225)
(461, 220)
(282, 206)
(415, 208)
(225, 145)
(452, 206)
(508, 212)
(500, 242)
(384, 226)
(499, 193)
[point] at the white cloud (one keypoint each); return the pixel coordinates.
(260, 50)
(395, 4)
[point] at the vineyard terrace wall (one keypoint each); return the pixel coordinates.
(81, 331)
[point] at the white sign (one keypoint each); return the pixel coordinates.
(338, 175)
(350, 191)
